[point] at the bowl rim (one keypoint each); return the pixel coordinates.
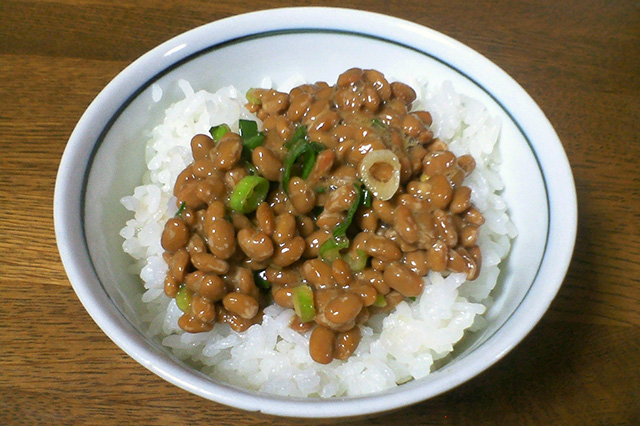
(561, 198)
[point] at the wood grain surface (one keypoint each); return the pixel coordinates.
(580, 60)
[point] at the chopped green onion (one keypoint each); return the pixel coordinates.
(252, 168)
(248, 128)
(183, 298)
(377, 123)
(310, 158)
(298, 146)
(309, 161)
(302, 297)
(299, 134)
(253, 142)
(321, 190)
(251, 137)
(412, 298)
(252, 97)
(358, 262)
(363, 198)
(380, 302)
(260, 279)
(330, 249)
(248, 194)
(182, 208)
(341, 229)
(317, 147)
(218, 132)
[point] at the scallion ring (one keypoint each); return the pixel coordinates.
(218, 132)
(330, 249)
(248, 194)
(358, 261)
(302, 298)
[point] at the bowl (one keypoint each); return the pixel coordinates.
(100, 165)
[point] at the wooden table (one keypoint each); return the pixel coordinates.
(580, 60)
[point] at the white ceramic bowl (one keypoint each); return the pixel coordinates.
(100, 166)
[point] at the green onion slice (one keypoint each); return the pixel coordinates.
(302, 297)
(183, 298)
(219, 131)
(378, 123)
(251, 168)
(182, 208)
(248, 128)
(358, 262)
(251, 137)
(252, 97)
(253, 142)
(330, 249)
(380, 302)
(309, 161)
(299, 146)
(341, 229)
(299, 134)
(248, 194)
(260, 279)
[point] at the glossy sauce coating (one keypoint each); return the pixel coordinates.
(226, 265)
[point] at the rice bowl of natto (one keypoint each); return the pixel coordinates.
(134, 141)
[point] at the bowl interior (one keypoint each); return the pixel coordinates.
(209, 59)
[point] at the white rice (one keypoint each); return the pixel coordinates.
(404, 345)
